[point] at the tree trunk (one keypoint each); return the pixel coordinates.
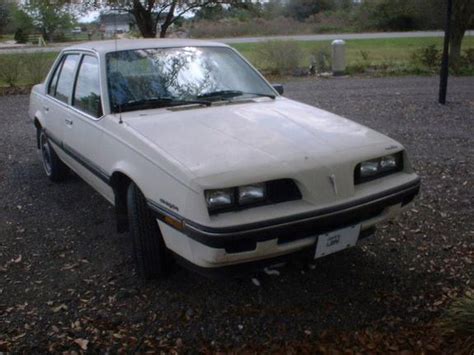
(455, 46)
(168, 20)
(463, 17)
(144, 20)
(163, 31)
(45, 34)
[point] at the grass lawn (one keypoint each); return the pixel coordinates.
(391, 52)
(28, 68)
(379, 51)
(4, 38)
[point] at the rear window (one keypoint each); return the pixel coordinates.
(66, 78)
(54, 81)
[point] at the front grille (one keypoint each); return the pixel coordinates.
(282, 190)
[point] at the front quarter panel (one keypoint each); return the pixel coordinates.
(161, 179)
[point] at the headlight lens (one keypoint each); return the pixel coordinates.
(375, 168)
(388, 162)
(251, 193)
(369, 168)
(219, 198)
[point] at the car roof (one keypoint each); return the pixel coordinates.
(126, 44)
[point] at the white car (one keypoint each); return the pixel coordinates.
(206, 163)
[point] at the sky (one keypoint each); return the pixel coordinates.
(89, 17)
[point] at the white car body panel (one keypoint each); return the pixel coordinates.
(174, 154)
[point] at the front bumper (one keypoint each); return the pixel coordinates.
(208, 249)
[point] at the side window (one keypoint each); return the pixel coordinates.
(54, 81)
(87, 91)
(66, 78)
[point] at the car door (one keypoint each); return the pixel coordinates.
(83, 131)
(59, 92)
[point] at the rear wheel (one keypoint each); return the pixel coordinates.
(149, 250)
(54, 168)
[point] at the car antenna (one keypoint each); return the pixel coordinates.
(116, 63)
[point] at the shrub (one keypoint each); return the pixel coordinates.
(390, 15)
(21, 36)
(26, 68)
(459, 319)
(280, 57)
(10, 68)
(36, 66)
(256, 27)
(468, 57)
(428, 57)
(320, 61)
(356, 68)
(364, 55)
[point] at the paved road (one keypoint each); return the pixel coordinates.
(315, 37)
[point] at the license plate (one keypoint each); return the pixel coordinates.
(337, 240)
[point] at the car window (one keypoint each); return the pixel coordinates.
(183, 73)
(66, 77)
(87, 90)
(54, 81)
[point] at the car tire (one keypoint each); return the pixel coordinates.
(54, 168)
(152, 258)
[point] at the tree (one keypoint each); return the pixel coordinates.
(302, 9)
(273, 9)
(50, 16)
(462, 20)
(149, 14)
(21, 24)
(5, 14)
(212, 13)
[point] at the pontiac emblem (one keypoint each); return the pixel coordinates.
(332, 178)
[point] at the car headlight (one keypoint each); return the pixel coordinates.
(251, 193)
(369, 168)
(388, 162)
(219, 198)
(375, 168)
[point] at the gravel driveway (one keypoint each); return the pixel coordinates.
(67, 279)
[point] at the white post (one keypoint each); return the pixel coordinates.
(338, 57)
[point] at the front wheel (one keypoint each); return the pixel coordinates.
(149, 250)
(54, 168)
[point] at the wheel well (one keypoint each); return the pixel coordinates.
(120, 183)
(38, 129)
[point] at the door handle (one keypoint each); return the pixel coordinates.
(46, 108)
(68, 122)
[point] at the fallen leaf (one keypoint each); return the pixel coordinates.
(271, 271)
(255, 281)
(82, 343)
(59, 308)
(18, 336)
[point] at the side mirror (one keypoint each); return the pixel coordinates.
(279, 88)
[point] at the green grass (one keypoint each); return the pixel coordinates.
(31, 67)
(391, 52)
(6, 37)
(379, 51)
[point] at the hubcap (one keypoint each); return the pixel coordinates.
(46, 154)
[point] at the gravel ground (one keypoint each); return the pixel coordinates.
(67, 279)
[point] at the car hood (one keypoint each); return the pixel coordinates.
(262, 134)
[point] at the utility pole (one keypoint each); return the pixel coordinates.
(443, 83)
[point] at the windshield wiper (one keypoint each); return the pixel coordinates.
(227, 94)
(157, 102)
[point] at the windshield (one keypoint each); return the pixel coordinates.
(161, 77)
